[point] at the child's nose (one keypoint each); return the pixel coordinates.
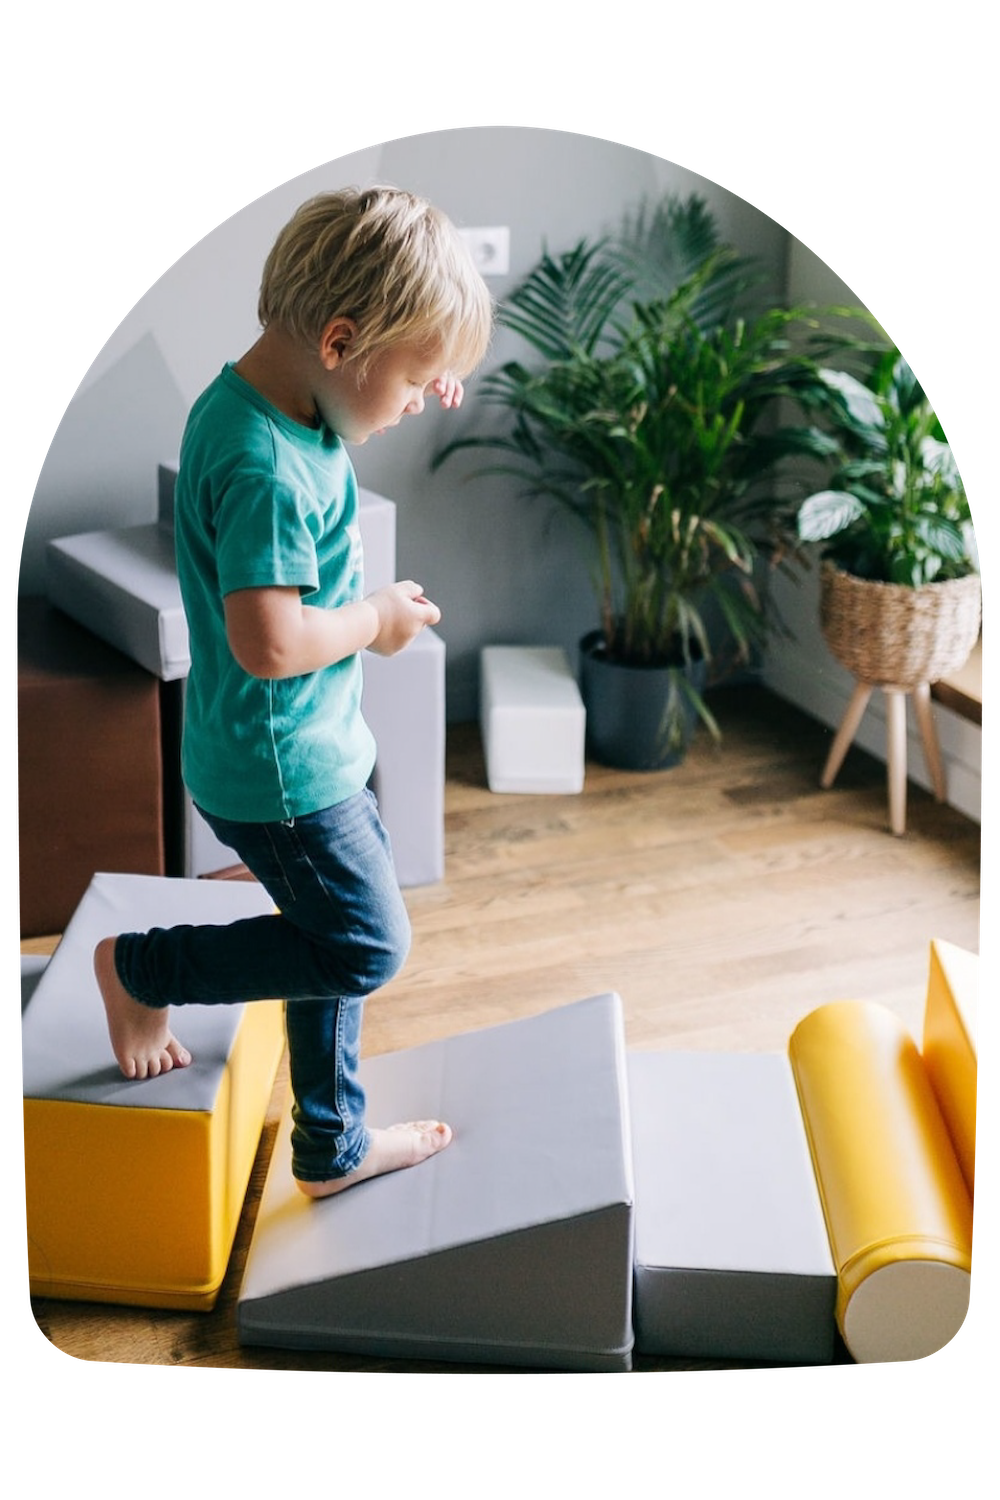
(416, 405)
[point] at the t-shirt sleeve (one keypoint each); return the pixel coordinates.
(263, 536)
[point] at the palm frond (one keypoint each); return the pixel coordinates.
(566, 303)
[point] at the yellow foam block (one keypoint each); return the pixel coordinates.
(134, 1189)
(949, 1046)
(897, 1209)
(141, 1205)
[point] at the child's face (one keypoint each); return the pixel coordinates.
(394, 386)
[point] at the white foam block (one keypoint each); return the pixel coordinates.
(513, 1246)
(732, 1255)
(532, 719)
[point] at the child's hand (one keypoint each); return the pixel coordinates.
(403, 612)
(448, 389)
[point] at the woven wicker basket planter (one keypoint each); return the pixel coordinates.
(888, 634)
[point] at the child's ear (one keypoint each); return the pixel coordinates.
(335, 341)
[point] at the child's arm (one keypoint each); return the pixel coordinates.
(272, 633)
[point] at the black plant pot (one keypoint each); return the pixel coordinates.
(638, 718)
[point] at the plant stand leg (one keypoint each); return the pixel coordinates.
(928, 734)
(846, 732)
(895, 708)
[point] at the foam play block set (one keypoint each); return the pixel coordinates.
(776, 1201)
(595, 1205)
(134, 1189)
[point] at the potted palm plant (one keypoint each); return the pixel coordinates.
(650, 414)
(900, 599)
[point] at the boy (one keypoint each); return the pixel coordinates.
(369, 303)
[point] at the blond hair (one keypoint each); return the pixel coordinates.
(389, 261)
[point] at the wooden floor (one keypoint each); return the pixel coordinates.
(722, 899)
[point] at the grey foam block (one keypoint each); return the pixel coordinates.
(122, 585)
(33, 966)
(404, 706)
(732, 1258)
(513, 1246)
(65, 1049)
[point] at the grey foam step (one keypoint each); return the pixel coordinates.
(513, 1246)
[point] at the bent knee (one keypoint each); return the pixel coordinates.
(371, 961)
(377, 966)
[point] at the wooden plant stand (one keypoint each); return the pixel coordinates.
(895, 702)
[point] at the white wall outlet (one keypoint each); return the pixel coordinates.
(490, 249)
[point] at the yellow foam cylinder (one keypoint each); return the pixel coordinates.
(897, 1209)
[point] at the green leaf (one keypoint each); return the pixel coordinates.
(566, 302)
(826, 514)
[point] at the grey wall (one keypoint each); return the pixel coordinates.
(503, 570)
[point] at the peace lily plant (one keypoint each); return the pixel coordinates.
(895, 509)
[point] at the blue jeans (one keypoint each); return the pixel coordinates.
(341, 931)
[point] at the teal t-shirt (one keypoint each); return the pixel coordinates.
(262, 501)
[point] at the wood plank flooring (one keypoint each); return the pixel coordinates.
(722, 899)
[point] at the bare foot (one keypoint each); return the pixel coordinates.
(140, 1036)
(390, 1150)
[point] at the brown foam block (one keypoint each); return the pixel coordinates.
(90, 773)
